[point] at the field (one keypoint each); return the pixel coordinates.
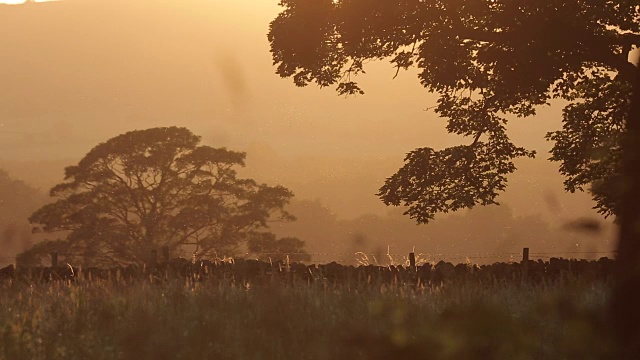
(220, 318)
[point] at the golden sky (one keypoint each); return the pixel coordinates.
(78, 72)
(17, 2)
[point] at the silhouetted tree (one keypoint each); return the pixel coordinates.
(158, 187)
(488, 60)
(268, 248)
(626, 294)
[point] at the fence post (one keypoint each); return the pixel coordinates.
(54, 259)
(165, 254)
(525, 262)
(412, 261)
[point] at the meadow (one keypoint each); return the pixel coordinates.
(219, 318)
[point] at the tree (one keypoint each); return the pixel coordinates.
(626, 293)
(489, 61)
(268, 248)
(158, 187)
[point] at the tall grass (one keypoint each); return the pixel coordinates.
(223, 320)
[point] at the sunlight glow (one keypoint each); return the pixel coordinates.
(19, 2)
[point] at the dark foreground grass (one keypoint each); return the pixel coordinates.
(95, 320)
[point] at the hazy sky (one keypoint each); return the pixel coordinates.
(18, 2)
(83, 70)
(77, 72)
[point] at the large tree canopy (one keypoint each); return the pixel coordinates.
(158, 187)
(488, 60)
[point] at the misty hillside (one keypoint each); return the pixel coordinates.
(17, 201)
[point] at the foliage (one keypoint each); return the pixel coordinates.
(489, 60)
(158, 187)
(268, 248)
(589, 146)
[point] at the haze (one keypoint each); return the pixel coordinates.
(78, 72)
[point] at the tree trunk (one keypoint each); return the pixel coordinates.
(625, 302)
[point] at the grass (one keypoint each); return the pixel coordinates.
(184, 320)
